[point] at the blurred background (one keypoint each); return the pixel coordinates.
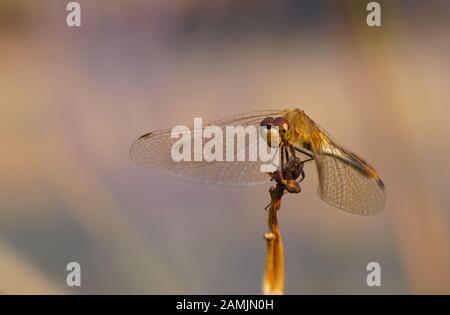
(72, 100)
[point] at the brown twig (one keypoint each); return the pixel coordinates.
(285, 178)
(274, 272)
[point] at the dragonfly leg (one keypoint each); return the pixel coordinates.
(286, 153)
(304, 151)
(282, 155)
(291, 148)
(302, 176)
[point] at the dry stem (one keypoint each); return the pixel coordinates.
(273, 282)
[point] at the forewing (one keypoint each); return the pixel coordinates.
(154, 150)
(346, 181)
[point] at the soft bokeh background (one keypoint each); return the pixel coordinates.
(73, 100)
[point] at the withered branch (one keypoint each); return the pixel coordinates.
(273, 282)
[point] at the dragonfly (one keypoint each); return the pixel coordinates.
(346, 181)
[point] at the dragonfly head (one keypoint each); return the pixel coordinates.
(282, 129)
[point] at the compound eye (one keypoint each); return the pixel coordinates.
(267, 122)
(281, 123)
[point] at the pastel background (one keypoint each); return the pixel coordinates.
(73, 100)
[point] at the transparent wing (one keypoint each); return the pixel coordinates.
(154, 150)
(346, 181)
(224, 173)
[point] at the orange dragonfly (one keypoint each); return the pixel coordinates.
(346, 181)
